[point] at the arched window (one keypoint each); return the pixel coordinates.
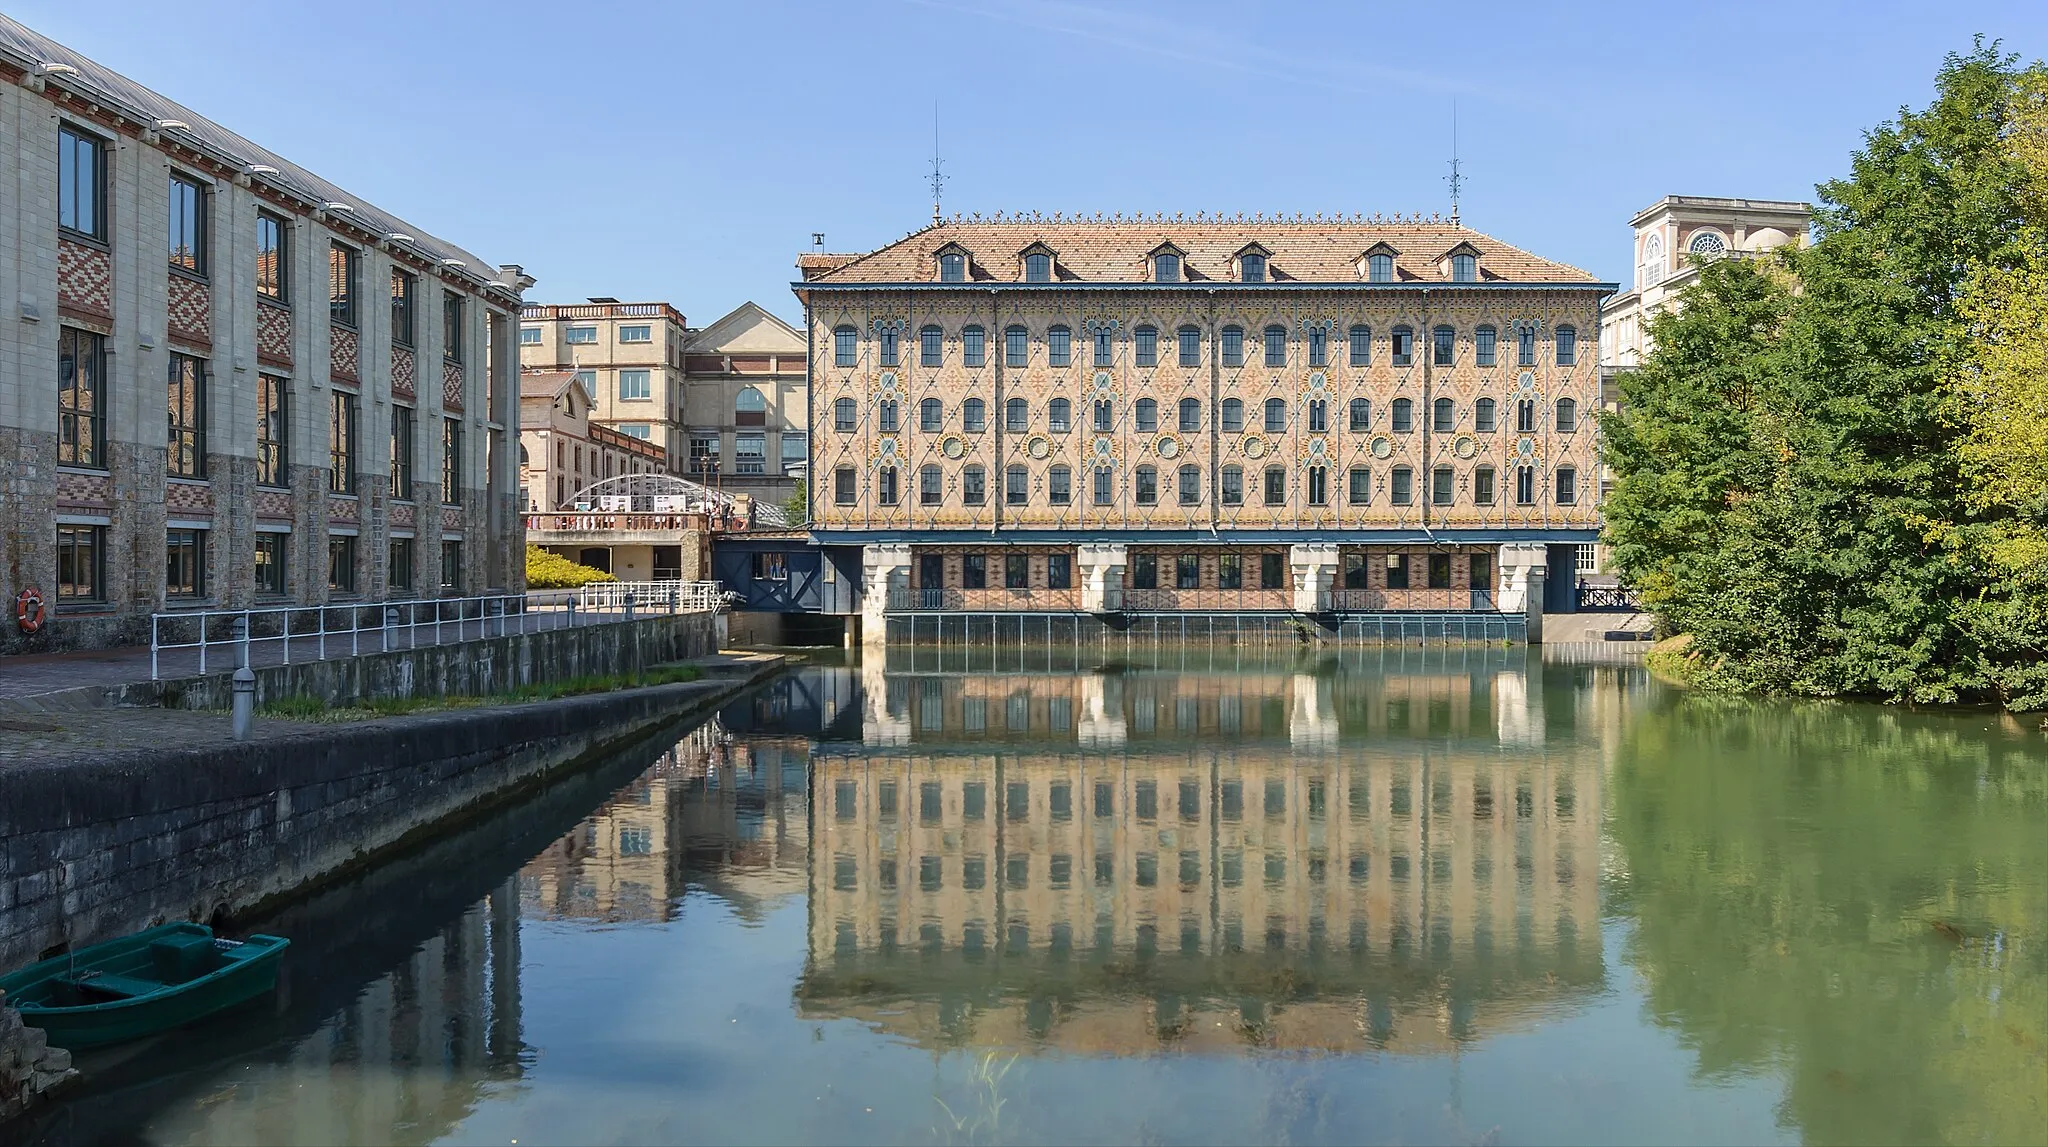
(1318, 486)
(1233, 485)
(1104, 416)
(885, 415)
(1484, 341)
(1105, 347)
(1190, 415)
(1016, 346)
(952, 267)
(1148, 415)
(1233, 345)
(1443, 416)
(974, 416)
(1147, 486)
(1482, 486)
(749, 408)
(1059, 416)
(1525, 416)
(1276, 345)
(1525, 345)
(1059, 485)
(1318, 347)
(1401, 490)
(973, 486)
(1566, 487)
(1567, 416)
(1404, 415)
(1038, 267)
(1441, 485)
(930, 416)
(1567, 344)
(1443, 343)
(1707, 244)
(1653, 260)
(843, 414)
(1361, 345)
(1059, 345)
(1318, 416)
(1361, 414)
(1360, 483)
(1276, 416)
(1190, 485)
(1276, 485)
(931, 345)
(1190, 345)
(1482, 416)
(1233, 415)
(930, 485)
(1016, 485)
(1016, 415)
(1147, 339)
(885, 485)
(1404, 345)
(845, 345)
(973, 345)
(887, 336)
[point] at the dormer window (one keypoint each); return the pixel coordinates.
(953, 267)
(1251, 267)
(1379, 268)
(1166, 267)
(1038, 267)
(1464, 268)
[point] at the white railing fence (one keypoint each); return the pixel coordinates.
(655, 596)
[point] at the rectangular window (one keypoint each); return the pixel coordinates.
(1318, 486)
(341, 563)
(1276, 486)
(1148, 346)
(1440, 485)
(1145, 571)
(636, 334)
(185, 563)
(403, 432)
(188, 225)
(1444, 346)
(1439, 571)
(1525, 485)
(342, 261)
(1059, 574)
(1233, 346)
(81, 564)
(404, 286)
(451, 462)
(1060, 486)
(1482, 486)
(1016, 571)
(1016, 347)
(1272, 571)
(399, 569)
(1187, 571)
(973, 486)
(270, 560)
(974, 571)
(796, 448)
(886, 338)
(1104, 349)
(272, 430)
(451, 326)
(341, 443)
(81, 415)
(842, 486)
(1567, 486)
(1059, 347)
(272, 266)
(750, 453)
(1484, 345)
(1361, 346)
(1585, 559)
(1404, 346)
(1148, 486)
(1190, 346)
(1318, 347)
(529, 336)
(1233, 486)
(885, 485)
(187, 392)
(1404, 486)
(1276, 346)
(451, 565)
(1229, 571)
(1397, 571)
(1105, 485)
(931, 346)
(580, 336)
(1361, 486)
(635, 385)
(1190, 486)
(771, 566)
(81, 183)
(1525, 345)
(1567, 346)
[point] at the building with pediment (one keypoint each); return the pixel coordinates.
(1193, 413)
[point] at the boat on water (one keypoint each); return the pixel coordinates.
(153, 981)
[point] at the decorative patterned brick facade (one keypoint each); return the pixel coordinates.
(402, 369)
(191, 311)
(403, 515)
(273, 336)
(187, 499)
(84, 491)
(275, 505)
(342, 354)
(85, 282)
(451, 385)
(345, 510)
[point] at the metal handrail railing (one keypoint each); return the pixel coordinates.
(656, 596)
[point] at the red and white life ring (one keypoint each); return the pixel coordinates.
(28, 610)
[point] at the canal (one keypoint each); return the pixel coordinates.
(1425, 897)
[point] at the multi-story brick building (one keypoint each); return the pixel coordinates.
(561, 451)
(744, 403)
(629, 357)
(1200, 413)
(161, 268)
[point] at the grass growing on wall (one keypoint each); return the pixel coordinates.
(315, 709)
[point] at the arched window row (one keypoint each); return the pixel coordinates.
(1273, 343)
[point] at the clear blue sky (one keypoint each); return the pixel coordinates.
(687, 152)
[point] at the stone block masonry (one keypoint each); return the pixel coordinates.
(91, 849)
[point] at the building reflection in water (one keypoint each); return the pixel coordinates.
(1111, 863)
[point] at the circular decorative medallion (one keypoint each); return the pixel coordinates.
(1103, 449)
(1102, 380)
(1038, 447)
(1169, 448)
(1316, 449)
(1315, 380)
(1382, 447)
(1527, 381)
(1464, 447)
(953, 447)
(1526, 447)
(887, 447)
(1254, 447)
(888, 380)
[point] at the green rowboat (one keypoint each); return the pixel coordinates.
(156, 980)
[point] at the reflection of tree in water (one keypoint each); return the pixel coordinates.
(1787, 866)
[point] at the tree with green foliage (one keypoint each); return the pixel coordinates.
(1792, 486)
(798, 508)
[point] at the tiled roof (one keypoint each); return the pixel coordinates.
(1114, 250)
(548, 384)
(118, 91)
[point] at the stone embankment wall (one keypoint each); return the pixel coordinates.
(29, 1067)
(96, 848)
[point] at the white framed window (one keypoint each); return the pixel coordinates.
(529, 336)
(640, 430)
(1586, 558)
(580, 336)
(796, 447)
(635, 384)
(1708, 244)
(636, 334)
